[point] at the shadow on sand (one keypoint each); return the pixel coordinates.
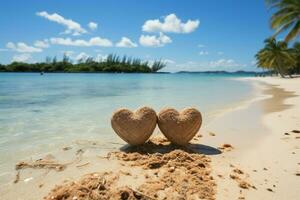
(152, 147)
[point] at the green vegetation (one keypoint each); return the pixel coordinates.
(276, 56)
(296, 49)
(112, 63)
(286, 17)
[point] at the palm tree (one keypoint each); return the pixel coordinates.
(276, 56)
(296, 49)
(287, 17)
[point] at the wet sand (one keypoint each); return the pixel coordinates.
(269, 157)
(245, 152)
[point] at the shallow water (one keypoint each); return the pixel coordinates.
(40, 113)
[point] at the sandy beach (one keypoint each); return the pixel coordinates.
(248, 152)
(161, 100)
(271, 163)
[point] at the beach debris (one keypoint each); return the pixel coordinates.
(66, 148)
(296, 131)
(125, 173)
(212, 134)
(286, 134)
(234, 177)
(179, 127)
(244, 185)
(83, 165)
(242, 182)
(17, 179)
(270, 190)
(238, 171)
(41, 164)
(297, 174)
(47, 162)
(226, 147)
(134, 127)
(28, 179)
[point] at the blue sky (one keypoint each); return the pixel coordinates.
(189, 35)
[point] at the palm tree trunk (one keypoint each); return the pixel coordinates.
(279, 69)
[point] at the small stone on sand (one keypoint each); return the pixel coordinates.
(295, 131)
(212, 134)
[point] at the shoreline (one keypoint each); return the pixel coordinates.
(283, 145)
(243, 156)
(271, 164)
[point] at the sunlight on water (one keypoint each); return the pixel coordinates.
(38, 113)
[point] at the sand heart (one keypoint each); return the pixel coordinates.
(134, 127)
(181, 127)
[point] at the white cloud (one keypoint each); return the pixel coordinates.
(201, 45)
(126, 42)
(93, 26)
(21, 58)
(203, 53)
(72, 26)
(170, 24)
(154, 41)
(82, 56)
(225, 63)
(215, 65)
(220, 53)
(95, 41)
(22, 47)
(41, 44)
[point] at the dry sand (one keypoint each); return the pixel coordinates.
(250, 152)
(169, 172)
(269, 158)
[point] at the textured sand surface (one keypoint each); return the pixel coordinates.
(134, 127)
(268, 152)
(249, 153)
(169, 172)
(179, 127)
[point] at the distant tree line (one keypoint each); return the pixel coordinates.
(112, 63)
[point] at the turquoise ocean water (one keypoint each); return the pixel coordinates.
(39, 113)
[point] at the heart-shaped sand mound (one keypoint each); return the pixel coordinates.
(134, 127)
(181, 127)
